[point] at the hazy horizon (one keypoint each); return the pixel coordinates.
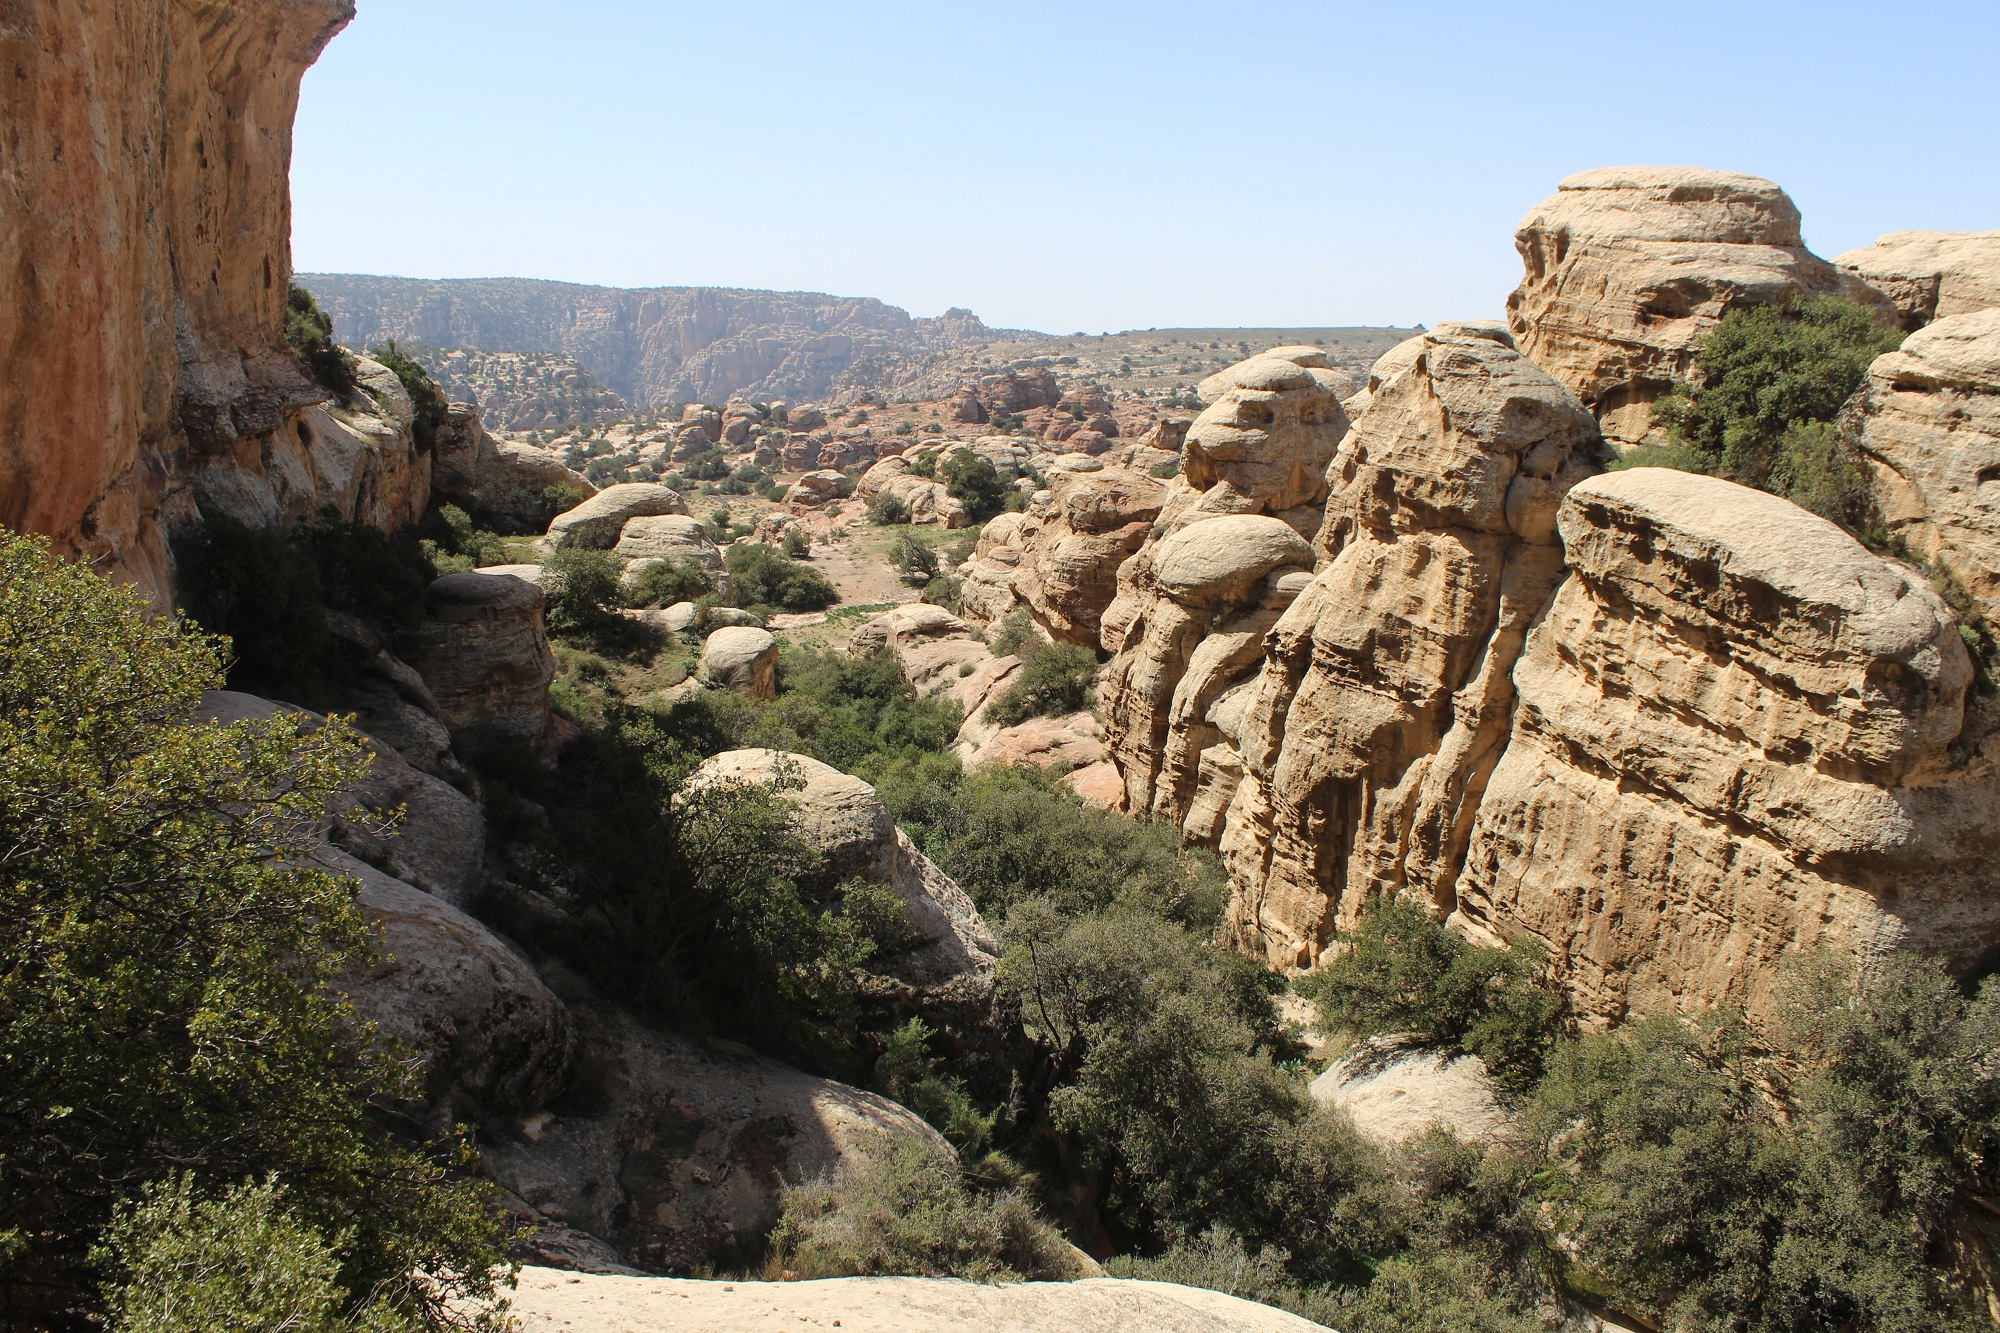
(1125, 167)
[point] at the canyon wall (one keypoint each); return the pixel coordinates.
(141, 309)
(652, 346)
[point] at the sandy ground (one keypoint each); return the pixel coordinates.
(549, 1299)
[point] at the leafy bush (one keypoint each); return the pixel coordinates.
(1216, 1259)
(464, 545)
(906, 1072)
(1764, 372)
(270, 592)
(240, 1263)
(1052, 682)
(664, 581)
(745, 479)
(1014, 634)
(762, 576)
(797, 545)
(975, 483)
(885, 510)
(170, 954)
(705, 465)
(1406, 974)
(425, 397)
(947, 591)
(581, 593)
(915, 558)
(906, 1212)
(309, 333)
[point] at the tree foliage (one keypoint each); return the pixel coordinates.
(309, 333)
(763, 576)
(426, 399)
(168, 953)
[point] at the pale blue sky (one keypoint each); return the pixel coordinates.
(1111, 164)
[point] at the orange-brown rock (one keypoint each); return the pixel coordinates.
(1627, 267)
(144, 258)
(1739, 735)
(1072, 540)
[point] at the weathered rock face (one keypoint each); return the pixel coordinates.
(504, 479)
(672, 537)
(1627, 267)
(1931, 275)
(483, 653)
(597, 523)
(1394, 1094)
(1931, 425)
(1739, 734)
(1071, 542)
(143, 268)
(926, 500)
(1263, 443)
(741, 658)
(945, 944)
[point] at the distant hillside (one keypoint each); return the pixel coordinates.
(651, 346)
(1159, 365)
(519, 390)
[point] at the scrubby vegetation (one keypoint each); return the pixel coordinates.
(170, 1036)
(1764, 408)
(426, 399)
(765, 576)
(309, 333)
(1055, 680)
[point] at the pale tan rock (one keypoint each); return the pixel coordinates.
(1070, 742)
(740, 658)
(503, 478)
(550, 1299)
(1264, 441)
(1393, 1094)
(1738, 736)
(672, 537)
(1071, 542)
(814, 490)
(986, 590)
(1931, 425)
(596, 523)
(1384, 693)
(484, 654)
(906, 625)
(1628, 267)
(1096, 785)
(945, 943)
(927, 501)
(1931, 274)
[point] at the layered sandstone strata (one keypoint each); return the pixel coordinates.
(1931, 274)
(1627, 267)
(1931, 426)
(141, 311)
(1384, 693)
(1739, 735)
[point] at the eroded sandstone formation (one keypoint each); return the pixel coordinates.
(1739, 735)
(1627, 267)
(1931, 275)
(141, 312)
(1931, 427)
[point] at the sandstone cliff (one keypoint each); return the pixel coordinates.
(140, 315)
(1627, 267)
(652, 346)
(1931, 274)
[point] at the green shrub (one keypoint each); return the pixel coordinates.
(907, 1073)
(309, 333)
(705, 465)
(744, 480)
(915, 558)
(885, 510)
(905, 1212)
(975, 483)
(947, 591)
(243, 1262)
(1167, 470)
(170, 955)
(1761, 372)
(1053, 682)
(426, 398)
(762, 576)
(663, 582)
(581, 593)
(270, 592)
(797, 545)
(1216, 1259)
(1010, 834)
(1014, 634)
(1405, 974)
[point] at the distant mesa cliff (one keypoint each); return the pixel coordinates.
(652, 346)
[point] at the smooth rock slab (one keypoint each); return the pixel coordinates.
(590, 1303)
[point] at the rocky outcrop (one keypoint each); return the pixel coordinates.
(742, 659)
(1394, 1093)
(944, 942)
(986, 578)
(483, 652)
(1263, 444)
(1071, 542)
(1627, 268)
(1384, 693)
(504, 481)
(549, 1298)
(1930, 275)
(598, 522)
(1739, 734)
(519, 391)
(651, 538)
(926, 500)
(143, 264)
(1931, 427)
